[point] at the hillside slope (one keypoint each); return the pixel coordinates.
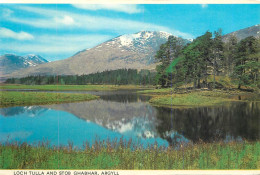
(134, 51)
(243, 33)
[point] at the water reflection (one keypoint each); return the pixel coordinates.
(122, 96)
(128, 114)
(60, 127)
(31, 111)
(227, 122)
(233, 121)
(136, 119)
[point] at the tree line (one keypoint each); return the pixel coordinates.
(116, 77)
(205, 56)
(182, 63)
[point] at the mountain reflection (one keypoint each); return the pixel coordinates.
(137, 119)
(31, 111)
(130, 114)
(227, 122)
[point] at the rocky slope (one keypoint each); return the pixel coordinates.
(243, 33)
(134, 51)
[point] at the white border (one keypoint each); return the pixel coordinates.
(132, 1)
(135, 172)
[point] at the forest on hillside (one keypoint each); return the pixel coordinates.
(182, 63)
(113, 77)
(208, 56)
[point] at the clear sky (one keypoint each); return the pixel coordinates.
(59, 31)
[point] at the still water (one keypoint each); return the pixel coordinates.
(129, 115)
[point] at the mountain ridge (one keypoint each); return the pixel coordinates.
(131, 51)
(243, 33)
(12, 62)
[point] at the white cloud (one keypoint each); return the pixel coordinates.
(66, 19)
(204, 5)
(53, 44)
(84, 41)
(126, 8)
(7, 33)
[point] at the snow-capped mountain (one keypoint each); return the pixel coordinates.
(11, 62)
(34, 60)
(140, 39)
(135, 51)
(144, 42)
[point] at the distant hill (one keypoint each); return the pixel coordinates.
(131, 51)
(11, 62)
(135, 51)
(243, 33)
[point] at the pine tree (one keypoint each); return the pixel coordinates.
(247, 61)
(218, 54)
(229, 54)
(196, 59)
(166, 54)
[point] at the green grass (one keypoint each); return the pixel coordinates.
(169, 97)
(11, 98)
(59, 87)
(189, 99)
(120, 156)
(72, 87)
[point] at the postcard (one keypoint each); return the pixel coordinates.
(110, 88)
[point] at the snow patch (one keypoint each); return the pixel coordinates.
(136, 35)
(126, 40)
(148, 35)
(165, 34)
(31, 64)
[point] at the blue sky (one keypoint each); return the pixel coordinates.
(58, 31)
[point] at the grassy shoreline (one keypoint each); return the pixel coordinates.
(119, 156)
(10, 98)
(169, 98)
(71, 87)
(13, 98)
